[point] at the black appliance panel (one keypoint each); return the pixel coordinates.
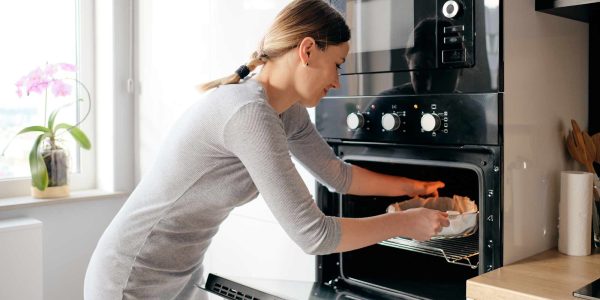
(402, 35)
(468, 119)
(485, 75)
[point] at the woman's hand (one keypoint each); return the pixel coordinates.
(426, 188)
(423, 223)
(366, 183)
(417, 223)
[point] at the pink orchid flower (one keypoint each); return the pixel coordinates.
(38, 80)
(60, 88)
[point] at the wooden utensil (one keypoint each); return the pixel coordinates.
(583, 150)
(585, 156)
(573, 150)
(590, 148)
(596, 141)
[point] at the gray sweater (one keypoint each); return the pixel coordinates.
(220, 154)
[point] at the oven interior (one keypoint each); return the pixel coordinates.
(435, 269)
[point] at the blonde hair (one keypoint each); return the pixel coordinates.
(299, 19)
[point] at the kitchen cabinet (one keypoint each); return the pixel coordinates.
(582, 10)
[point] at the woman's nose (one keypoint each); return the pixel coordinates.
(336, 83)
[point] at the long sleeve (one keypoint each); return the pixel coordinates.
(257, 137)
(307, 145)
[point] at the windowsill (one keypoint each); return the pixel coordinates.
(76, 196)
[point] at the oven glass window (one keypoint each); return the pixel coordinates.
(390, 35)
(370, 21)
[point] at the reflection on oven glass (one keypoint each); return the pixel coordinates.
(425, 77)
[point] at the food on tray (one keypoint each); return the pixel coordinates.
(457, 203)
(462, 213)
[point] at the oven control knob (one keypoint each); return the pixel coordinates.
(450, 9)
(390, 122)
(355, 120)
(430, 122)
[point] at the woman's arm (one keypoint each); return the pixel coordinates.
(418, 223)
(365, 182)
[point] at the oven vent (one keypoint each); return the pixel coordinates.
(231, 293)
(458, 251)
(232, 290)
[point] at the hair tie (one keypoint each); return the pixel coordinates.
(242, 71)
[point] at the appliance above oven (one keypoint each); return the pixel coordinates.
(408, 35)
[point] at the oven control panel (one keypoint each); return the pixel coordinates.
(420, 119)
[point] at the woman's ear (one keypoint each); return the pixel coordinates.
(307, 45)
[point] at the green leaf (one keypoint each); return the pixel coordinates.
(39, 173)
(56, 111)
(34, 128)
(77, 134)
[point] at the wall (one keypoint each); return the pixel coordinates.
(70, 233)
(546, 85)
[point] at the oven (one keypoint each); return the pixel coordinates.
(392, 134)
(404, 109)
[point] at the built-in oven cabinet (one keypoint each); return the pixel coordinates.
(434, 269)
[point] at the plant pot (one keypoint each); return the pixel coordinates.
(57, 165)
(51, 192)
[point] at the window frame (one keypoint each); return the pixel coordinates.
(86, 177)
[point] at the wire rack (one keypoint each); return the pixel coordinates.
(460, 251)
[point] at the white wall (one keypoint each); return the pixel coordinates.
(70, 233)
(546, 85)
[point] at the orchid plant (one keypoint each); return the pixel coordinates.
(53, 78)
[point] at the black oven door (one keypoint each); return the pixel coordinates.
(436, 269)
(405, 35)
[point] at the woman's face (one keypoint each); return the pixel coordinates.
(321, 73)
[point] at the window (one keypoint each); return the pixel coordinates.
(37, 32)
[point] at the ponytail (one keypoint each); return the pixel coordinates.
(238, 75)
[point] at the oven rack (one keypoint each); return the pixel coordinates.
(458, 251)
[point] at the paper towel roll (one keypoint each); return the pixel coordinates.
(575, 213)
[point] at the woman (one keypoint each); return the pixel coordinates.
(236, 143)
